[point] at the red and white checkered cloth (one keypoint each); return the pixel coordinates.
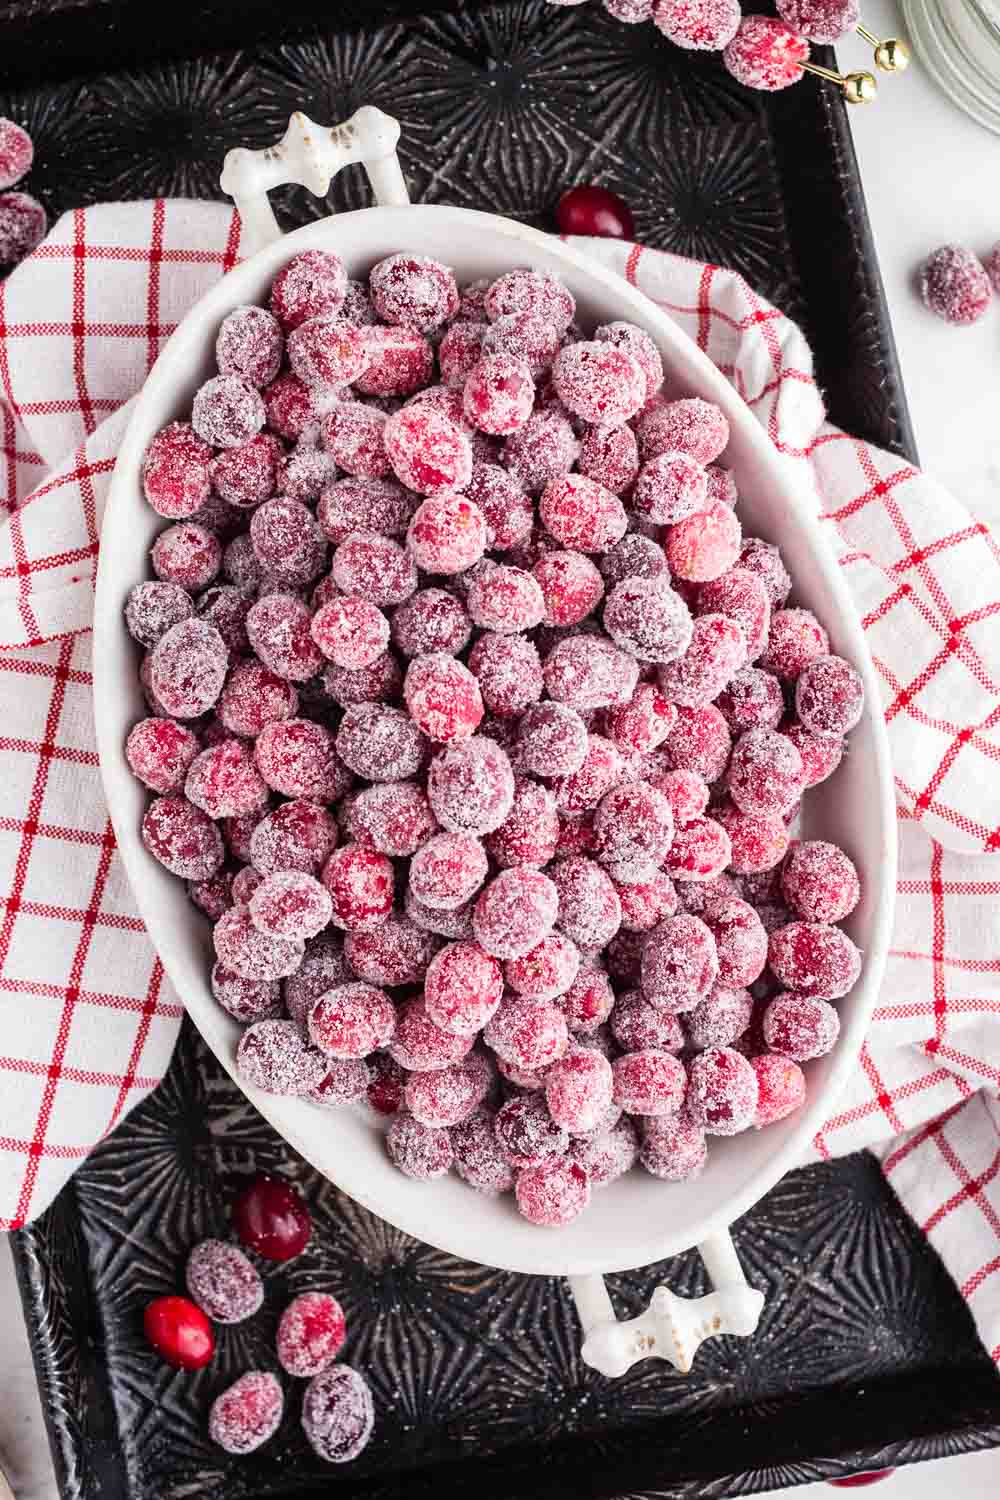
(87, 1019)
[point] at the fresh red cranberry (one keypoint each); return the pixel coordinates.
(270, 1217)
(179, 1331)
(596, 211)
(855, 1481)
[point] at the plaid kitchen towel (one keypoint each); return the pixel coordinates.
(87, 1018)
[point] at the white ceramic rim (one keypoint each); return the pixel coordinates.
(408, 1212)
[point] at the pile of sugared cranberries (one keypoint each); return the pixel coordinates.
(22, 217)
(225, 1286)
(479, 730)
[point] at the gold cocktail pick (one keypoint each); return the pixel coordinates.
(858, 88)
(891, 55)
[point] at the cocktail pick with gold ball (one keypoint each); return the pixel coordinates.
(891, 55)
(857, 88)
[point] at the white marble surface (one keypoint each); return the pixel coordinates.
(930, 176)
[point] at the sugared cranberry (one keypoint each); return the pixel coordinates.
(338, 1414)
(360, 882)
(589, 909)
(673, 1148)
(421, 1046)
(679, 963)
(765, 54)
(311, 1333)
(800, 1027)
(223, 1282)
(582, 514)
(953, 284)
(814, 958)
(312, 284)
(245, 1415)
(447, 870)
(704, 25)
(829, 696)
(463, 988)
(17, 152)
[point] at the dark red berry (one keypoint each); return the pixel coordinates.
(271, 1217)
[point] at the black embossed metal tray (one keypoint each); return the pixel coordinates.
(866, 1355)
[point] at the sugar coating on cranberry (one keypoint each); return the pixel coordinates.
(634, 825)
(800, 1026)
(338, 1414)
(431, 620)
(526, 1133)
(393, 817)
(311, 1333)
(447, 534)
(699, 741)
(589, 909)
(552, 1194)
(588, 1001)
(290, 904)
(584, 789)
(757, 841)
(17, 152)
(543, 450)
(649, 1082)
(752, 700)
(227, 411)
(609, 455)
(670, 488)
(354, 436)
(323, 968)
(687, 794)
(607, 1154)
(765, 561)
(478, 1159)
(499, 394)
(509, 673)
(362, 504)
(447, 870)
(186, 554)
(589, 671)
(396, 953)
(703, 25)
(312, 284)
(298, 835)
(250, 344)
(184, 840)
(582, 514)
(153, 607)
(224, 782)
(814, 958)
(246, 1000)
(470, 786)
(527, 291)
(598, 381)
(421, 1046)
(245, 1415)
(645, 903)
(700, 851)
(716, 652)
(742, 596)
(460, 351)
(821, 754)
(529, 834)
(375, 568)
(22, 226)
(679, 963)
(188, 667)
(514, 912)
(578, 1090)
(720, 1019)
(635, 556)
(740, 941)
(290, 406)
(288, 542)
(765, 53)
(646, 618)
(829, 696)
(360, 881)
(571, 587)
(401, 361)
(722, 1091)
(706, 545)
(553, 740)
(641, 724)
(279, 627)
(819, 881)
(298, 758)
(673, 1148)
(428, 453)
(953, 283)
(413, 291)
(463, 988)
(454, 925)
(351, 1020)
(443, 697)
(765, 773)
(223, 1283)
(692, 426)
(795, 638)
(346, 1081)
(274, 1056)
(159, 752)
(214, 895)
(444, 1097)
(507, 510)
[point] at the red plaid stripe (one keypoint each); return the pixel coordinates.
(90, 1017)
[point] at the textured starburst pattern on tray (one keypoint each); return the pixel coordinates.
(468, 1362)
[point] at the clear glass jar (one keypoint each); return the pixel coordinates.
(959, 44)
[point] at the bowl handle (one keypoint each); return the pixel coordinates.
(311, 155)
(672, 1327)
